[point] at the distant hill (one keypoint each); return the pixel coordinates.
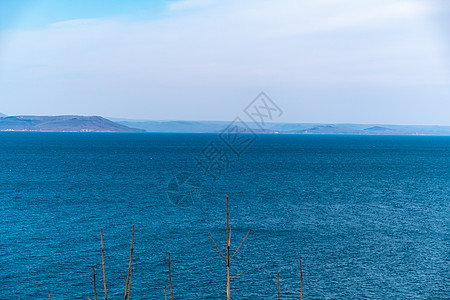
(381, 130)
(178, 126)
(378, 128)
(62, 124)
(327, 129)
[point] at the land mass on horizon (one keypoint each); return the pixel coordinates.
(66, 123)
(288, 128)
(74, 123)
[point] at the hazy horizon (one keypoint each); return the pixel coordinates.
(115, 119)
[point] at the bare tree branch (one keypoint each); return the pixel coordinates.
(129, 265)
(170, 279)
(129, 285)
(229, 238)
(278, 285)
(240, 244)
(95, 289)
(103, 266)
(301, 278)
(238, 275)
(217, 247)
(227, 258)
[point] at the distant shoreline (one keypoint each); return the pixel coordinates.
(245, 133)
(75, 123)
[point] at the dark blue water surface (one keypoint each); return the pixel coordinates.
(369, 215)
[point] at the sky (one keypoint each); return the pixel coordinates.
(322, 61)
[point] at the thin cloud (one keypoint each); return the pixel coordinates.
(189, 4)
(72, 23)
(286, 45)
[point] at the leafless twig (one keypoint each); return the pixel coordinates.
(95, 289)
(217, 247)
(170, 280)
(227, 258)
(129, 265)
(103, 266)
(278, 285)
(129, 284)
(238, 275)
(240, 244)
(301, 278)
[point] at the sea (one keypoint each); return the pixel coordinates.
(368, 215)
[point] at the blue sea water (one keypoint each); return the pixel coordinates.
(370, 216)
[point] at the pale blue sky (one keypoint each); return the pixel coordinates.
(334, 61)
